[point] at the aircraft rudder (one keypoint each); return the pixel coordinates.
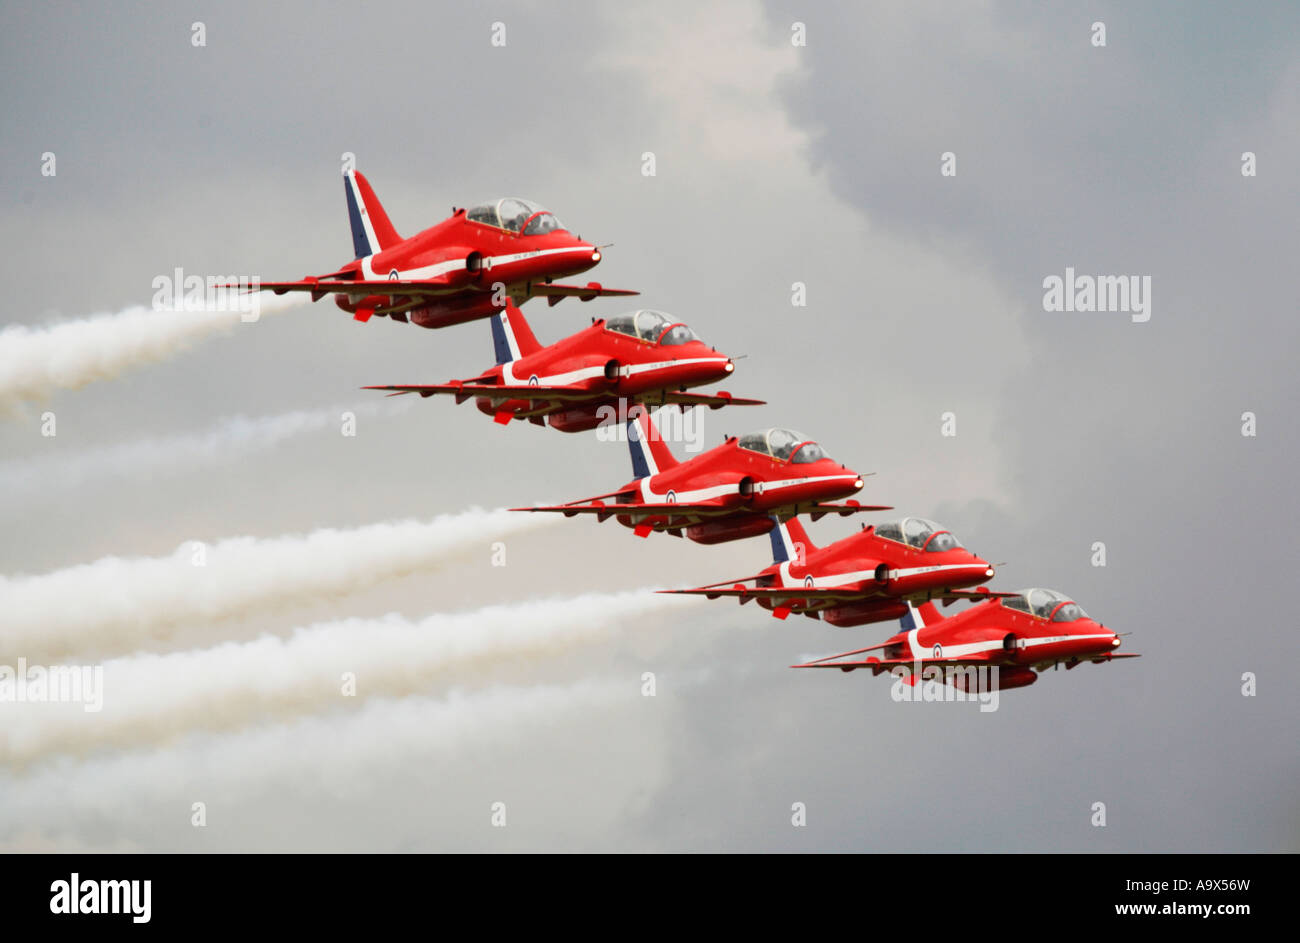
(920, 617)
(650, 454)
(372, 232)
(512, 337)
(789, 541)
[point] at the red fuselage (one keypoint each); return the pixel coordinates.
(884, 571)
(607, 366)
(993, 633)
(748, 486)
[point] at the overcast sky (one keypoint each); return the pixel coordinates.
(775, 163)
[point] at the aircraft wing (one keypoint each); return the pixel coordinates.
(819, 509)
(561, 393)
(983, 658)
(686, 514)
(954, 594)
(665, 509)
(320, 287)
(466, 390)
(829, 660)
(712, 400)
(716, 508)
(746, 593)
(555, 293)
(828, 594)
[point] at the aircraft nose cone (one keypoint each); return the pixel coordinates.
(706, 368)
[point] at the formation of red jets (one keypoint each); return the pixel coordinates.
(487, 261)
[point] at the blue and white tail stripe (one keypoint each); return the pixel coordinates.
(504, 342)
(783, 548)
(643, 460)
(364, 241)
(912, 620)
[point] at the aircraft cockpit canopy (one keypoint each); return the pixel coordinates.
(677, 335)
(783, 445)
(1046, 604)
(652, 326)
(919, 533)
(516, 215)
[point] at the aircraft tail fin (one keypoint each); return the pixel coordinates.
(789, 541)
(512, 338)
(918, 617)
(371, 230)
(650, 454)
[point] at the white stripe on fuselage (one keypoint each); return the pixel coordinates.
(455, 265)
(843, 579)
(589, 373)
(761, 487)
(650, 496)
(975, 648)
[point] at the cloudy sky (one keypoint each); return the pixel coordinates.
(775, 163)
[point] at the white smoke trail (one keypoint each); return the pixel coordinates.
(329, 754)
(35, 362)
(147, 698)
(229, 439)
(115, 603)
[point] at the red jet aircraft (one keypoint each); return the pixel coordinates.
(1032, 629)
(449, 273)
(869, 576)
(576, 384)
(726, 493)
